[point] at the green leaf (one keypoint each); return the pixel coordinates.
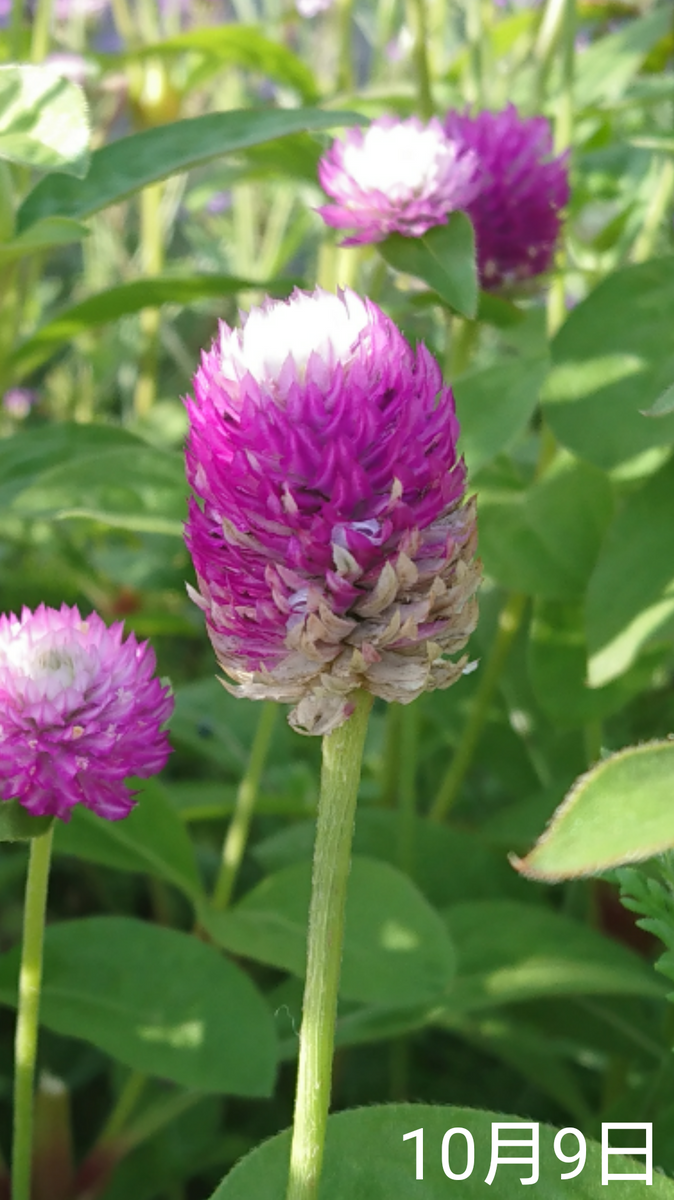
(236, 45)
(44, 235)
(396, 949)
(152, 839)
(558, 668)
(509, 952)
(160, 1001)
(131, 163)
(606, 67)
(630, 596)
(366, 1158)
(17, 824)
(444, 258)
(123, 300)
(544, 541)
(620, 812)
(137, 487)
(494, 405)
(43, 120)
(612, 358)
(447, 864)
(27, 455)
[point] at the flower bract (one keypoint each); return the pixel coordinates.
(332, 545)
(80, 710)
(395, 177)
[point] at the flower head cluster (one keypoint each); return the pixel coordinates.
(80, 710)
(332, 546)
(395, 177)
(523, 188)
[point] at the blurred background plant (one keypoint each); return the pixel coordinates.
(128, 224)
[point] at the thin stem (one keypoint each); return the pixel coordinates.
(16, 30)
(661, 200)
(152, 257)
(563, 140)
(593, 734)
(30, 981)
(342, 757)
(239, 826)
(508, 625)
(419, 21)
(127, 1100)
(407, 786)
(475, 38)
(549, 32)
(41, 36)
(345, 81)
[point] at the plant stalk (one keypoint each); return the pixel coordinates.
(30, 982)
(41, 35)
(239, 826)
(342, 757)
(508, 625)
(418, 19)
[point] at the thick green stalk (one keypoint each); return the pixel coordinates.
(342, 757)
(239, 826)
(30, 981)
(41, 35)
(508, 625)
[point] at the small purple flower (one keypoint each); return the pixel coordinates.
(516, 212)
(80, 710)
(395, 177)
(17, 402)
(331, 543)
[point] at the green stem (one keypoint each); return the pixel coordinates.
(593, 734)
(563, 140)
(342, 757)
(344, 20)
(661, 200)
(152, 256)
(407, 786)
(549, 32)
(41, 36)
(475, 38)
(16, 30)
(30, 980)
(508, 625)
(126, 1103)
(239, 826)
(419, 22)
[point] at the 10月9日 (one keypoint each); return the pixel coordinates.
(524, 1136)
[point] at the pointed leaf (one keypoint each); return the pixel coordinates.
(444, 258)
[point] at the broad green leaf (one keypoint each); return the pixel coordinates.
(630, 596)
(123, 300)
(544, 541)
(43, 120)
(444, 258)
(447, 864)
(44, 235)
(241, 46)
(137, 487)
(396, 951)
(622, 811)
(17, 824)
(160, 1001)
(27, 456)
(494, 405)
(131, 163)
(215, 725)
(509, 952)
(664, 405)
(366, 1158)
(612, 358)
(152, 839)
(558, 668)
(607, 66)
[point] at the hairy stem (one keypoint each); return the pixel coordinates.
(342, 757)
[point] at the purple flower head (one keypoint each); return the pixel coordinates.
(80, 710)
(516, 211)
(17, 402)
(332, 547)
(395, 177)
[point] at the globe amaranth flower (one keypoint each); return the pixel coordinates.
(332, 546)
(516, 212)
(395, 177)
(80, 710)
